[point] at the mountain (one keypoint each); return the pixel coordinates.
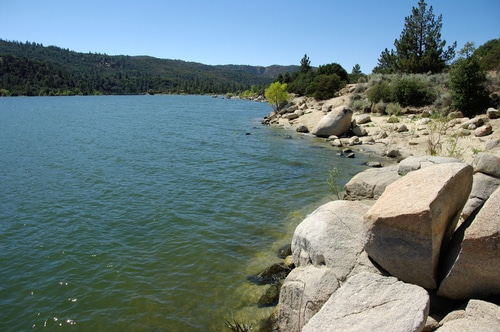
(33, 69)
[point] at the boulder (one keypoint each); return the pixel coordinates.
(492, 113)
(371, 302)
(492, 144)
(363, 118)
(473, 264)
(337, 122)
(290, 116)
(392, 153)
(402, 128)
(477, 316)
(475, 122)
(354, 140)
(483, 130)
(412, 163)
(359, 131)
(371, 183)
(413, 218)
(271, 274)
(302, 128)
(482, 187)
(285, 251)
(303, 294)
(488, 163)
(337, 143)
(331, 236)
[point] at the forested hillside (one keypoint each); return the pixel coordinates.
(33, 69)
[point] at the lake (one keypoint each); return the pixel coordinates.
(137, 213)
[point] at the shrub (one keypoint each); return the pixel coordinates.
(443, 101)
(380, 92)
(360, 105)
(412, 92)
(327, 86)
(393, 109)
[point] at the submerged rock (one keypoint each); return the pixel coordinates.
(270, 275)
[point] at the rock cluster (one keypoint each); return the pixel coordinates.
(406, 239)
(398, 137)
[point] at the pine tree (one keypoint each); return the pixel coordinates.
(419, 48)
(467, 83)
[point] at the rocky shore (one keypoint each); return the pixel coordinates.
(414, 246)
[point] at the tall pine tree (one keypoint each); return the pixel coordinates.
(419, 48)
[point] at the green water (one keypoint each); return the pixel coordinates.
(135, 213)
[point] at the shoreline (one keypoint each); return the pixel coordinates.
(411, 135)
(387, 141)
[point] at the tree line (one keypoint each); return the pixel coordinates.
(33, 69)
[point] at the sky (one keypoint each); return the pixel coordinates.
(255, 32)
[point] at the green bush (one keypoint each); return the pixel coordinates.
(412, 92)
(380, 92)
(467, 80)
(393, 109)
(327, 86)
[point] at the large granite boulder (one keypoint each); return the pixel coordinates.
(371, 183)
(371, 302)
(337, 122)
(473, 269)
(477, 316)
(331, 236)
(304, 292)
(414, 163)
(414, 217)
(482, 187)
(488, 163)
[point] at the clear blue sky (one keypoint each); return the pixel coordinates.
(255, 32)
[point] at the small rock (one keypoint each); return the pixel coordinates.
(359, 131)
(424, 121)
(426, 114)
(374, 164)
(402, 128)
(336, 142)
(302, 128)
(290, 116)
(289, 262)
(394, 153)
(493, 113)
(271, 297)
(461, 132)
(455, 115)
(476, 122)
(483, 130)
(492, 143)
(285, 250)
(354, 140)
(271, 274)
(363, 118)
(393, 119)
(382, 135)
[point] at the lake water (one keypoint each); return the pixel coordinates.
(135, 213)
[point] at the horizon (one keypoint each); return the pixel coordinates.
(226, 33)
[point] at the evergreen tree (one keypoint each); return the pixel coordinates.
(467, 83)
(305, 65)
(419, 48)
